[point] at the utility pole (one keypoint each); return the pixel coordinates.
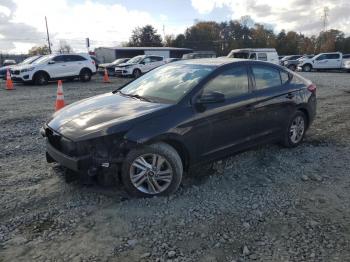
(325, 18)
(48, 36)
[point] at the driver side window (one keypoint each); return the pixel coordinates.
(59, 59)
(232, 82)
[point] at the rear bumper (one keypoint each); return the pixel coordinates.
(73, 163)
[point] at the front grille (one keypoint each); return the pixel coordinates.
(54, 139)
(60, 143)
(15, 72)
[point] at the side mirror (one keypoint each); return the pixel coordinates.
(142, 62)
(51, 62)
(211, 98)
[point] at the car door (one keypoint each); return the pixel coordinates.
(56, 66)
(275, 99)
(73, 64)
(334, 61)
(320, 62)
(230, 122)
(145, 65)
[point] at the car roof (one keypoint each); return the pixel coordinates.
(212, 61)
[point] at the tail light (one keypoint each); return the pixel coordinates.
(312, 88)
(93, 62)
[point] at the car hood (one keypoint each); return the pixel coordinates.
(106, 65)
(125, 64)
(101, 115)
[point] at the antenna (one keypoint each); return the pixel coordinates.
(48, 36)
(325, 18)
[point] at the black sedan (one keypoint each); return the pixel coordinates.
(111, 66)
(177, 117)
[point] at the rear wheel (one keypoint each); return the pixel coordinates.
(85, 75)
(41, 78)
(152, 171)
(295, 131)
(136, 73)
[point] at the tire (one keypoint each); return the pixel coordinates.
(85, 75)
(136, 73)
(307, 68)
(168, 161)
(292, 67)
(291, 139)
(41, 78)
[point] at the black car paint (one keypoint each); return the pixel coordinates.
(201, 132)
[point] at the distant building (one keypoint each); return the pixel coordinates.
(109, 54)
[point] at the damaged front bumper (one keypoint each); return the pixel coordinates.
(73, 163)
(86, 157)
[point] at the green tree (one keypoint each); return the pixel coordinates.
(39, 50)
(145, 36)
(204, 36)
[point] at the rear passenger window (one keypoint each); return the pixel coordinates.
(284, 77)
(333, 56)
(262, 56)
(232, 82)
(266, 77)
(156, 58)
(74, 58)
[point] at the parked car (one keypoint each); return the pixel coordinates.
(9, 62)
(57, 66)
(280, 57)
(139, 65)
(346, 62)
(323, 61)
(151, 130)
(111, 66)
(29, 60)
(202, 54)
(261, 54)
(290, 61)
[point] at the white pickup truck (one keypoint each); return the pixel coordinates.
(322, 61)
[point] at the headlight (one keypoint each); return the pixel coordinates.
(27, 69)
(286, 62)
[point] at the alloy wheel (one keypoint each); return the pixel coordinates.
(297, 129)
(151, 173)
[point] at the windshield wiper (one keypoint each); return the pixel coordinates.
(136, 96)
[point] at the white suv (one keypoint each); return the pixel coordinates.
(139, 65)
(52, 67)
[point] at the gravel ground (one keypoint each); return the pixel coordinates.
(266, 204)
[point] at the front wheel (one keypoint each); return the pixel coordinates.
(152, 170)
(136, 73)
(41, 78)
(292, 67)
(307, 68)
(295, 131)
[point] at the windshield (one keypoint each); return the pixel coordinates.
(118, 61)
(43, 59)
(243, 55)
(135, 59)
(29, 60)
(168, 83)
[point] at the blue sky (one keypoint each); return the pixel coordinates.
(110, 22)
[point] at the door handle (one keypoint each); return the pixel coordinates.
(290, 96)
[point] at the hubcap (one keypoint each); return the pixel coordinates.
(297, 129)
(151, 173)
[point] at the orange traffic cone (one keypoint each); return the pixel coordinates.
(106, 77)
(9, 83)
(60, 98)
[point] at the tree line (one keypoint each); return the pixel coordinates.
(225, 36)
